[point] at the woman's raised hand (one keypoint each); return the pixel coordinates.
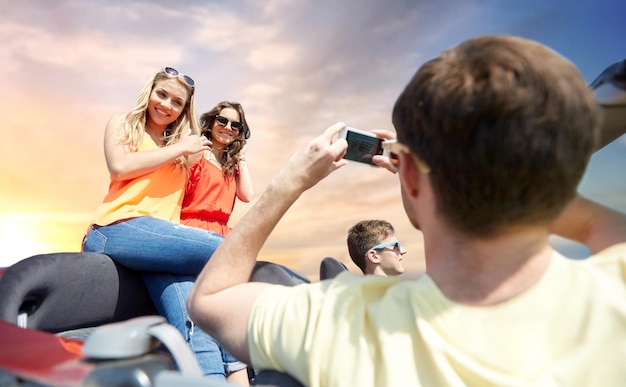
(193, 143)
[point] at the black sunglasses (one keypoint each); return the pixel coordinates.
(173, 72)
(236, 125)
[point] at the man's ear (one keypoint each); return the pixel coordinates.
(410, 174)
(373, 257)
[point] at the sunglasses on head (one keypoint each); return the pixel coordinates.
(391, 150)
(223, 121)
(395, 243)
(174, 73)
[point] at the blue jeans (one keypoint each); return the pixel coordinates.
(170, 293)
(154, 247)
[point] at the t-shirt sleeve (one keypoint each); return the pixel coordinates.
(325, 331)
(611, 261)
(281, 328)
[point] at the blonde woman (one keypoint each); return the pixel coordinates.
(138, 223)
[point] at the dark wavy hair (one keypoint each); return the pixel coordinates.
(230, 157)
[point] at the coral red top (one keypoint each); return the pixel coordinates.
(209, 198)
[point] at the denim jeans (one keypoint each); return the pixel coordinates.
(155, 247)
(170, 293)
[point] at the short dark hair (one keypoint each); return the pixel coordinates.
(507, 127)
(365, 235)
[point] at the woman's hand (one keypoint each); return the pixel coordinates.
(193, 143)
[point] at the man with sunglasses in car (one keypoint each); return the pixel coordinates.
(373, 247)
(493, 138)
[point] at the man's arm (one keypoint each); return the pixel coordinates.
(221, 299)
(591, 224)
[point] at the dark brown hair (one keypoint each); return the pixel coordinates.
(507, 127)
(230, 157)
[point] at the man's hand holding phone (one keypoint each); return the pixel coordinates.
(366, 147)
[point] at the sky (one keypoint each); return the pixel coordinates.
(297, 67)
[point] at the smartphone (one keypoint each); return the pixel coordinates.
(362, 146)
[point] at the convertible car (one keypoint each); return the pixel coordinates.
(80, 319)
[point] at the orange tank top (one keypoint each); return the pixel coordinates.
(158, 193)
(209, 198)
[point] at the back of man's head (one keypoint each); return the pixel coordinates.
(507, 127)
(363, 236)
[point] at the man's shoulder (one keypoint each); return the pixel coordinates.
(613, 255)
(347, 286)
(617, 250)
(611, 261)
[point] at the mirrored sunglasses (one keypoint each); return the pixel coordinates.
(223, 121)
(391, 149)
(173, 72)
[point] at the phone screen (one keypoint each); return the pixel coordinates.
(362, 147)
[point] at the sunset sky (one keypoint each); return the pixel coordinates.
(297, 66)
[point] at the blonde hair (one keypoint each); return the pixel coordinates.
(134, 125)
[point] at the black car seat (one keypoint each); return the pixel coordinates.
(66, 291)
(330, 268)
(610, 90)
(62, 292)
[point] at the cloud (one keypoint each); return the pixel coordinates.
(81, 49)
(274, 56)
(223, 29)
(297, 66)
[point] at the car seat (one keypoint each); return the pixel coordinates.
(330, 268)
(65, 291)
